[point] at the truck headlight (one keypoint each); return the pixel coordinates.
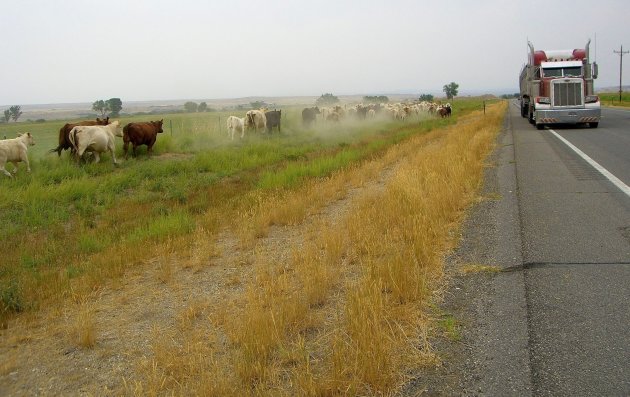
(591, 99)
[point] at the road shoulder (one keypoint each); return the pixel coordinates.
(489, 354)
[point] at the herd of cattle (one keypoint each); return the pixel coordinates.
(264, 119)
(98, 136)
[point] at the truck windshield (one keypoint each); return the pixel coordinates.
(573, 72)
(563, 72)
(552, 72)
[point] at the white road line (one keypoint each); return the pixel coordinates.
(616, 181)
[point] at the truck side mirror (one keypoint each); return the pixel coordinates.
(594, 72)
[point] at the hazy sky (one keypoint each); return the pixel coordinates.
(80, 51)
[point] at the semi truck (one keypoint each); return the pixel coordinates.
(556, 87)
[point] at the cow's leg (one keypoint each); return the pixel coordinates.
(25, 159)
(242, 132)
(97, 157)
(7, 173)
(125, 148)
(78, 154)
(134, 150)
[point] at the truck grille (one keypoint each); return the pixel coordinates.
(567, 93)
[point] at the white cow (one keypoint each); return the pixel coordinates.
(256, 119)
(96, 139)
(235, 124)
(14, 151)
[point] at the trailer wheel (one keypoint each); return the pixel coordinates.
(593, 125)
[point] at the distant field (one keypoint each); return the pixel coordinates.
(612, 98)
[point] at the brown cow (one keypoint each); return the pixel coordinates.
(143, 133)
(64, 134)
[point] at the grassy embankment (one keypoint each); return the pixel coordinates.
(71, 229)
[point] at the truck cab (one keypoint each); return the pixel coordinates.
(557, 88)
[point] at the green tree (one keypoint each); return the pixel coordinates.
(114, 105)
(426, 97)
(7, 116)
(451, 90)
(326, 99)
(100, 106)
(376, 99)
(190, 107)
(16, 112)
(203, 107)
(258, 104)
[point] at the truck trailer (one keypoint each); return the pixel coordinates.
(556, 87)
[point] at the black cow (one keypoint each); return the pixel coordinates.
(309, 115)
(273, 119)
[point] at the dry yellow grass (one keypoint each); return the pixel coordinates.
(85, 331)
(385, 258)
(478, 268)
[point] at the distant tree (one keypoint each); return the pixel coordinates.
(100, 106)
(114, 105)
(326, 99)
(16, 112)
(376, 99)
(203, 107)
(451, 90)
(258, 104)
(7, 115)
(191, 107)
(426, 97)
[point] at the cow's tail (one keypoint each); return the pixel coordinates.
(74, 139)
(57, 149)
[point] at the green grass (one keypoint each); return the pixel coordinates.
(612, 98)
(57, 220)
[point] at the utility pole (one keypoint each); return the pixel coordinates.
(621, 53)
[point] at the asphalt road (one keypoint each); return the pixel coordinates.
(556, 320)
(575, 235)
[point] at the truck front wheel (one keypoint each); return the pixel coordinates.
(524, 109)
(593, 125)
(540, 126)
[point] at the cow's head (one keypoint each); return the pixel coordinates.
(27, 138)
(158, 126)
(116, 128)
